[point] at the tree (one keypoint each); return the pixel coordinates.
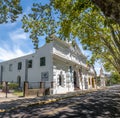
(101, 36)
(91, 63)
(111, 8)
(70, 19)
(80, 18)
(114, 79)
(9, 10)
(40, 22)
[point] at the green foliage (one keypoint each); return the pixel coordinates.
(69, 19)
(1, 86)
(39, 22)
(13, 86)
(110, 8)
(114, 79)
(18, 93)
(9, 10)
(98, 81)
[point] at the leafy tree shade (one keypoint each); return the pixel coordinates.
(40, 22)
(9, 10)
(114, 79)
(111, 8)
(81, 19)
(70, 19)
(101, 36)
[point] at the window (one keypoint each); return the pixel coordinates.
(60, 80)
(42, 61)
(29, 63)
(70, 67)
(19, 65)
(89, 81)
(10, 67)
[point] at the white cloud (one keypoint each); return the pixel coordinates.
(19, 34)
(6, 54)
(9, 25)
(15, 44)
(28, 10)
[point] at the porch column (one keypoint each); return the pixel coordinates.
(26, 85)
(41, 84)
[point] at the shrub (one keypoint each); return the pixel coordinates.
(1, 86)
(13, 86)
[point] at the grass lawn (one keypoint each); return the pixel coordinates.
(18, 93)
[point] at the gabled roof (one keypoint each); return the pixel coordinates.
(74, 48)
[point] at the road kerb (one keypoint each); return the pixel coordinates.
(41, 102)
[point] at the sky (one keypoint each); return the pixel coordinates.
(14, 42)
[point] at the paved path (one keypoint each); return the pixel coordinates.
(10, 97)
(99, 104)
(13, 102)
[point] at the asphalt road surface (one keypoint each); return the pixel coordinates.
(100, 104)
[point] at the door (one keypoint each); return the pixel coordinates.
(19, 81)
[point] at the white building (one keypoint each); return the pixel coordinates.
(58, 62)
(102, 78)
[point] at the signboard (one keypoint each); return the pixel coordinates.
(44, 76)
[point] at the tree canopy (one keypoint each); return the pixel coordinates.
(111, 8)
(70, 19)
(9, 10)
(77, 18)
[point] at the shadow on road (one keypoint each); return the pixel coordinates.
(101, 104)
(97, 105)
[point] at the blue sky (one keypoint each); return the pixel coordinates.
(15, 43)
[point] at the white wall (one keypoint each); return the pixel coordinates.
(58, 54)
(34, 73)
(62, 68)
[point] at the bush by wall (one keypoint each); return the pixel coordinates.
(13, 86)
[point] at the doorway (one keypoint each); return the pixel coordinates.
(19, 81)
(76, 81)
(86, 83)
(93, 84)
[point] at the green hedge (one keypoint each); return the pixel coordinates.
(13, 86)
(1, 86)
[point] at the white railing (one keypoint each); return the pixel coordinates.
(65, 54)
(84, 65)
(61, 54)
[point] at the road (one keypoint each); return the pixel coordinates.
(100, 104)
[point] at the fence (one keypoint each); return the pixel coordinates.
(34, 85)
(10, 86)
(29, 88)
(37, 88)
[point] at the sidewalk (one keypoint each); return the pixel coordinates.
(7, 104)
(9, 97)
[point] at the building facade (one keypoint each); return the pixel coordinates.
(102, 78)
(57, 62)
